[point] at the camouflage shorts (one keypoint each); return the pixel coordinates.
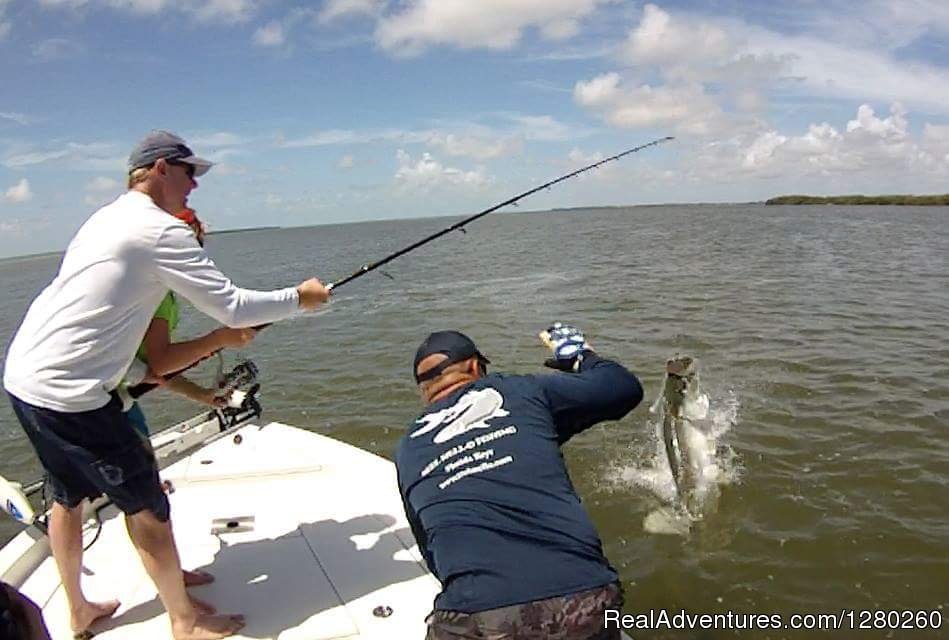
(575, 617)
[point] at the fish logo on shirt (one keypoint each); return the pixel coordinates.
(472, 411)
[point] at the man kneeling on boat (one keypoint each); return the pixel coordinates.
(487, 494)
(77, 342)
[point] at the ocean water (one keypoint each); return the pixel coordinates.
(823, 337)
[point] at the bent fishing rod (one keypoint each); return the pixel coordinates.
(138, 390)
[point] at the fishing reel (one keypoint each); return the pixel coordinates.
(242, 376)
(240, 387)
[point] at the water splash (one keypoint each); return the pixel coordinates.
(715, 463)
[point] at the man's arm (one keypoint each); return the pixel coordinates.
(193, 391)
(600, 390)
(418, 531)
(184, 267)
(420, 538)
(165, 356)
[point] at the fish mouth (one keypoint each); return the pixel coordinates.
(681, 383)
(680, 366)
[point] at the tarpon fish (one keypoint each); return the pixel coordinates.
(683, 403)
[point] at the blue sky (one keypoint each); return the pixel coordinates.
(345, 110)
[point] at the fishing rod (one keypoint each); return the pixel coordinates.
(137, 390)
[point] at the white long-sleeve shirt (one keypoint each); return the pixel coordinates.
(79, 336)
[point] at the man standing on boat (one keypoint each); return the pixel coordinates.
(165, 357)
(488, 497)
(77, 342)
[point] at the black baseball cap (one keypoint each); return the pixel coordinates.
(454, 344)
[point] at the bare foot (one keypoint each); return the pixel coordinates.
(210, 627)
(197, 578)
(83, 617)
(202, 607)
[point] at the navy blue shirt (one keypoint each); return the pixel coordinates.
(486, 490)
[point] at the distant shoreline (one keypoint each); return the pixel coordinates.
(924, 201)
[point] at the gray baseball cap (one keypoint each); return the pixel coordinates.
(162, 144)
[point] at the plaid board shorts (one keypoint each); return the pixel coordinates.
(579, 616)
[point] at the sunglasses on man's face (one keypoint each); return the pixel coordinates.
(434, 372)
(189, 168)
(438, 369)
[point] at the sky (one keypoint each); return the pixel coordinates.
(349, 110)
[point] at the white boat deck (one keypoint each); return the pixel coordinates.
(305, 535)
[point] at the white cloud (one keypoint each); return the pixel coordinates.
(711, 76)
(749, 100)
(34, 157)
(828, 69)
(218, 139)
(427, 174)
(601, 91)
(477, 147)
(544, 128)
(582, 51)
(19, 118)
(761, 151)
(270, 35)
(936, 133)
(935, 143)
(689, 58)
(335, 9)
(330, 137)
(88, 156)
(866, 121)
(223, 11)
(880, 148)
(101, 189)
(876, 24)
(53, 49)
(578, 158)
(23, 228)
(691, 49)
(277, 32)
(19, 193)
(703, 64)
(102, 184)
(489, 24)
(685, 108)
(659, 39)
(229, 169)
(5, 26)
(462, 138)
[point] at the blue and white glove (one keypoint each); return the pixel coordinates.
(567, 344)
